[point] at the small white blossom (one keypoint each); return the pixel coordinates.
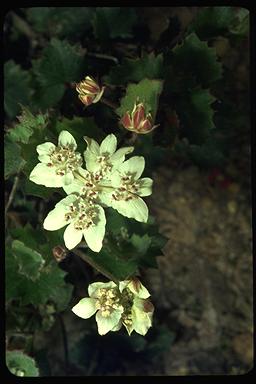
(57, 164)
(115, 305)
(104, 158)
(128, 189)
(82, 218)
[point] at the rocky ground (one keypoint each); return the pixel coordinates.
(205, 278)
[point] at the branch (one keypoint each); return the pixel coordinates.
(94, 265)
(108, 103)
(11, 196)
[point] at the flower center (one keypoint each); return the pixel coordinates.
(65, 159)
(82, 214)
(105, 164)
(108, 300)
(127, 190)
(127, 302)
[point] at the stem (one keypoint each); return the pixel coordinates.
(102, 56)
(94, 265)
(108, 103)
(11, 196)
(65, 342)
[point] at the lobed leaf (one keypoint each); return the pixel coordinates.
(146, 91)
(21, 364)
(16, 88)
(149, 66)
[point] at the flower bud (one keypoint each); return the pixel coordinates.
(89, 91)
(137, 120)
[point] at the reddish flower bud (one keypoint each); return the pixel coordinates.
(137, 120)
(89, 91)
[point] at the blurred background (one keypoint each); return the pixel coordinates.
(202, 289)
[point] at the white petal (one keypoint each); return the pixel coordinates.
(120, 153)
(44, 175)
(68, 178)
(55, 219)
(108, 145)
(135, 165)
(92, 146)
(45, 148)
(134, 209)
(105, 197)
(75, 186)
(93, 288)
(94, 235)
(91, 161)
(85, 308)
(72, 236)
(117, 327)
(138, 289)
(123, 284)
(44, 159)
(116, 179)
(66, 139)
(106, 324)
(145, 186)
(141, 319)
(67, 201)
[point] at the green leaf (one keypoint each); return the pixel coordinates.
(241, 24)
(26, 126)
(141, 243)
(61, 63)
(22, 264)
(80, 127)
(49, 96)
(196, 115)
(213, 21)
(113, 22)
(21, 364)
(16, 88)
(147, 91)
(50, 284)
(118, 265)
(30, 188)
(64, 22)
(149, 66)
(13, 161)
(30, 261)
(195, 63)
(30, 236)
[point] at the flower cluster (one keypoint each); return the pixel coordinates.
(116, 305)
(107, 181)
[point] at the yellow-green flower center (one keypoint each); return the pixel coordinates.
(107, 301)
(65, 159)
(82, 214)
(127, 190)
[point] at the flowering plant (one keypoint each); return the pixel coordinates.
(116, 305)
(107, 181)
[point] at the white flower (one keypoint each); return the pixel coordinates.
(125, 304)
(128, 189)
(57, 164)
(83, 219)
(104, 158)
